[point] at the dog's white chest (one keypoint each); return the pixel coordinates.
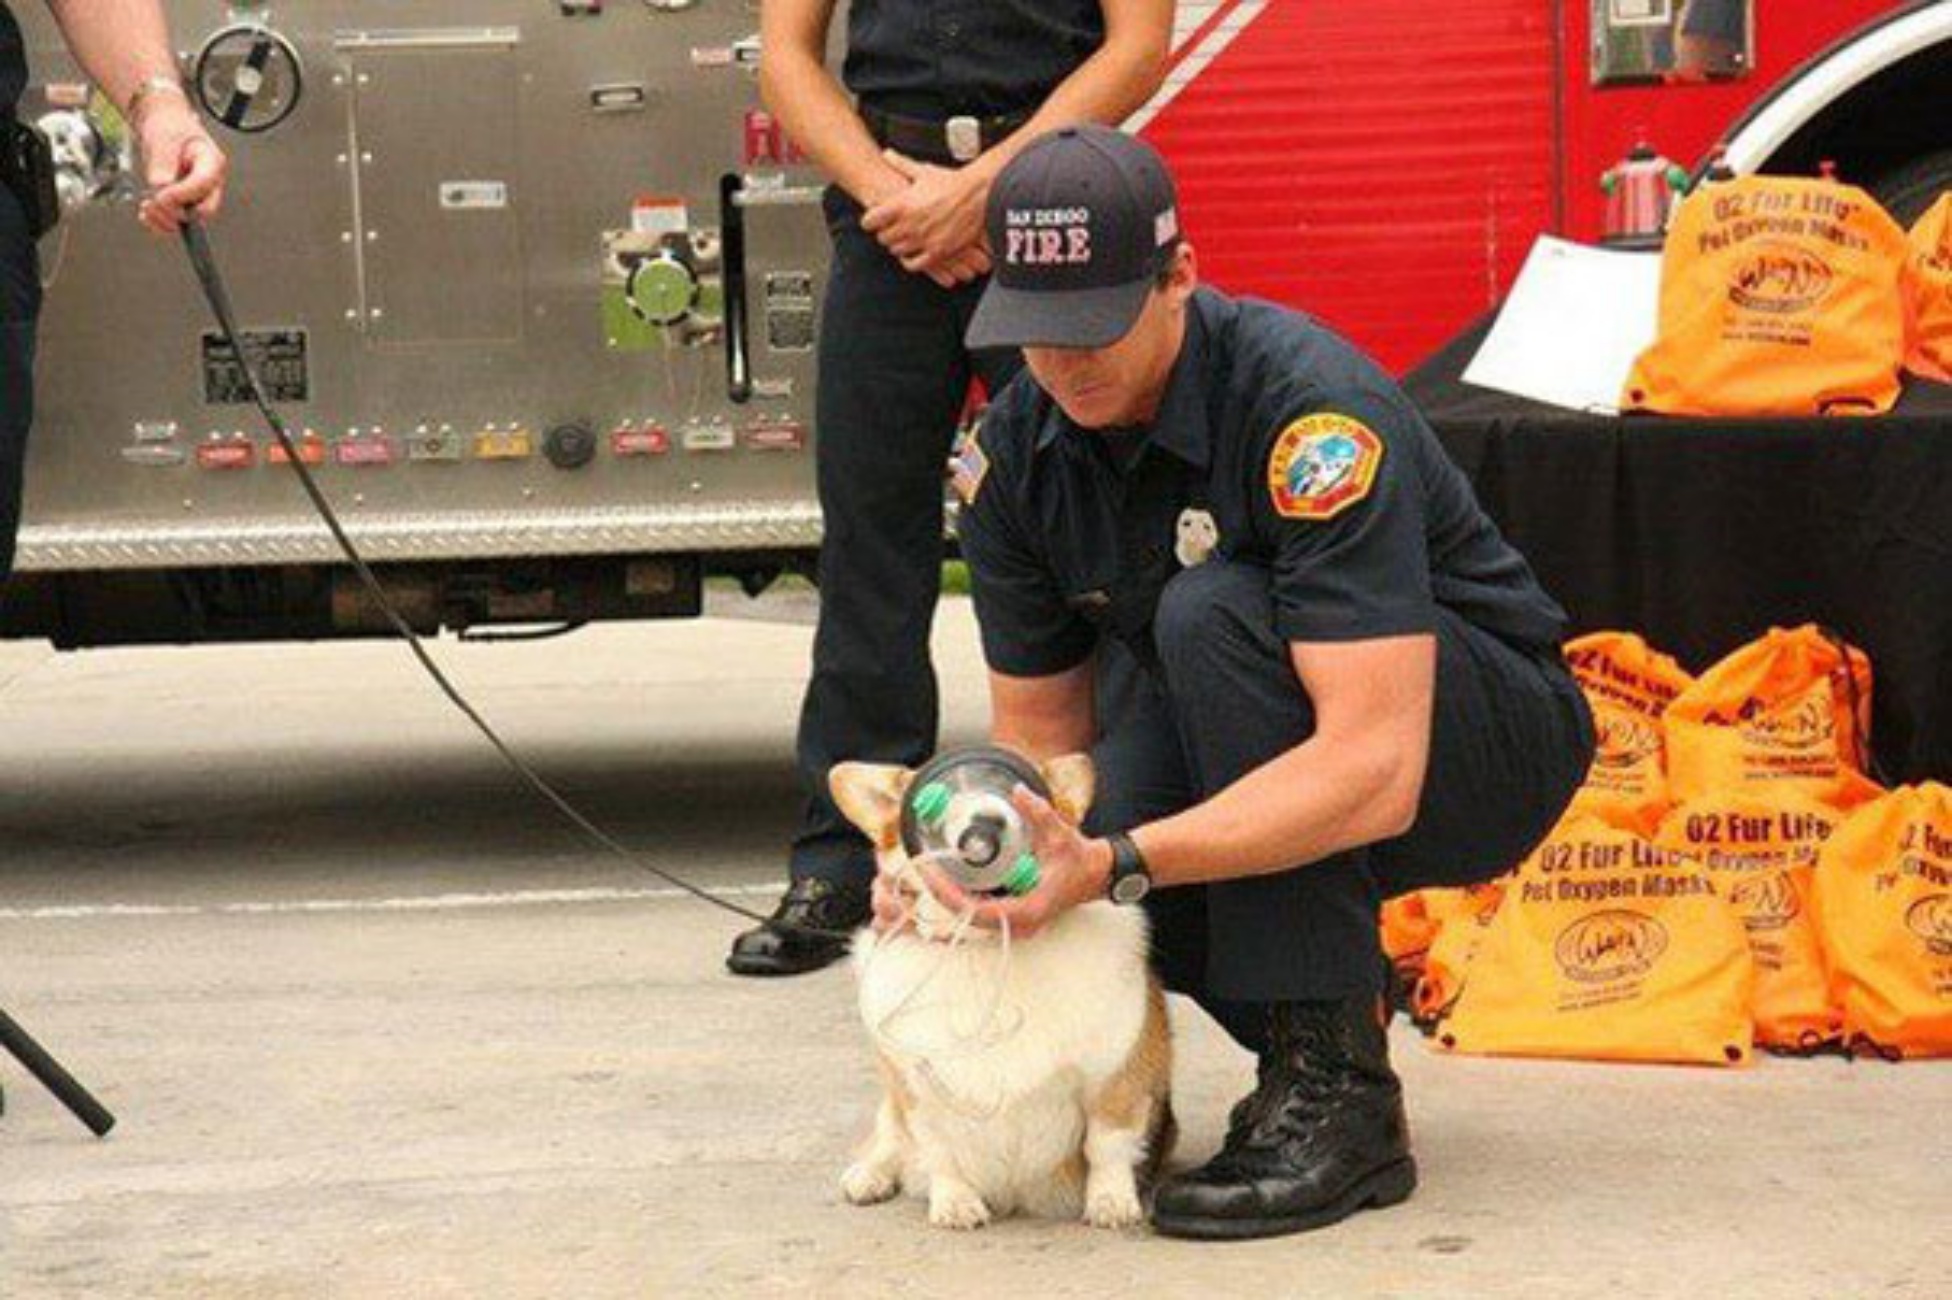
(996, 1025)
(998, 1052)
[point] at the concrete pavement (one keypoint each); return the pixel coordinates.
(375, 1027)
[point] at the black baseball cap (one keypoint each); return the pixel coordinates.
(1080, 223)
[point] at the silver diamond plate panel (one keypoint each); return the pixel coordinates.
(733, 526)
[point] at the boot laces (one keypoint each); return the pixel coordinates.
(1305, 1068)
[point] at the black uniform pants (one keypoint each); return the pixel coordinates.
(20, 307)
(893, 378)
(1511, 738)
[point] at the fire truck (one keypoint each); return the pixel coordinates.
(537, 283)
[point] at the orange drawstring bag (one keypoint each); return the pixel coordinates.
(1928, 294)
(1789, 710)
(1629, 685)
(1760, 854)
(1407, 931)
(1407, 925)
(1465, 922)
(1779, 296)
(1883, 902)
(1607, 948)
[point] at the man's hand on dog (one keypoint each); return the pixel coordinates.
(1073, 869)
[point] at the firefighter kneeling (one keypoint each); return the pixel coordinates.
(1215, 544)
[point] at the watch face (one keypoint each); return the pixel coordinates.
(1131, 889)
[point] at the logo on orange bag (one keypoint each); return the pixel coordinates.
(1768, 902)
(1930, 918)
(1606, 946)
(1779, 296)
(1625, 740)
(1781, 279)
(1807, 726)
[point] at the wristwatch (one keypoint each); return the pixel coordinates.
(1131, 881)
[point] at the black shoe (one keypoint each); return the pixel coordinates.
(1322, 1137)
(819, 904)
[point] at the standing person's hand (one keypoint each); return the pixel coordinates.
(935, 225)
(183, 167)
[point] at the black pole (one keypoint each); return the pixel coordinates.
(57, 1080)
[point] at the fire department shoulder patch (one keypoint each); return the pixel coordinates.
(969, 465)
(1321, 465)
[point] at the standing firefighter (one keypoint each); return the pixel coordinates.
(944, 95)
(124, 46)
(1214, 543)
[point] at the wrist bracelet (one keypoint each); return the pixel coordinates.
(149, 86)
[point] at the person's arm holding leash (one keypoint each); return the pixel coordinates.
(935, 225)
(123, 45)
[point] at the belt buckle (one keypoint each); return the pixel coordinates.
(965, 138)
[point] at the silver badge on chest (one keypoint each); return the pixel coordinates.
(1195, 537)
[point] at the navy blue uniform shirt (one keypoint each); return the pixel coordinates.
(1277, 443)
(936, 59)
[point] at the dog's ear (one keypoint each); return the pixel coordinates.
(870, 795)
(1073, 781)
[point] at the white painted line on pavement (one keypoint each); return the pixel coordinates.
(421, 903)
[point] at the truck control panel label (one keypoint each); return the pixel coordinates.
(279, 356)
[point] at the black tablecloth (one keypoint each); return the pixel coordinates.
(1701, 534)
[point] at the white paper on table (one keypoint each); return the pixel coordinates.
(1572, 326)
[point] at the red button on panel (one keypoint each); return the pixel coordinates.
(645, 440)
(364, 451)
(227, 453)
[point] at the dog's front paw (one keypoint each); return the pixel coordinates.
(864, 1184)
(957, 1207)
(1114, 1208)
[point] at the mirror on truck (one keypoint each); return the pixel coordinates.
(1638, 41)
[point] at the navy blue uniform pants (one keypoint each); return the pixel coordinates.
(1511, 739)
(893, 377)
(20, 306)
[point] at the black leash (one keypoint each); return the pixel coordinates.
(205, 264)
(66, 1088)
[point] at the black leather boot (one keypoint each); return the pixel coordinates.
(817, 904)
(1322, 1136)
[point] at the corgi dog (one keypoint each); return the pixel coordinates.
(1020, 1075)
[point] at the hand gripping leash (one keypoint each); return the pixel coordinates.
(198, 246)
